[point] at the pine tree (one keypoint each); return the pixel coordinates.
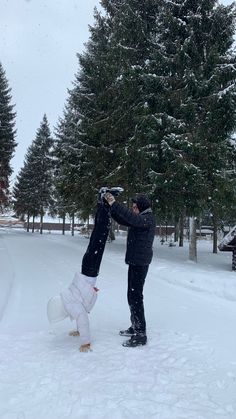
(133, 31)
(25, 200)
(34, 186)
(153, 104)
(42, 165)
(7, 137)
(194, 110)
(67, 152)
(107, 98)
(92, 97)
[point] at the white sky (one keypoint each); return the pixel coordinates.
(38, 45)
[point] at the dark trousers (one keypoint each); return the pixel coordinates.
(93, 256)
(136, 280)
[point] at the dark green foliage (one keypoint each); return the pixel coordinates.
(33, 189)
(153, 108)
(7, 137)
(67, 154)
(195, 108)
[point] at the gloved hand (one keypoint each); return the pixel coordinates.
(85, 348)
(109, 198)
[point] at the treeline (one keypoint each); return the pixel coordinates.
(152, 109)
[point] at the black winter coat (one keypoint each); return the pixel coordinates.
(141, 233)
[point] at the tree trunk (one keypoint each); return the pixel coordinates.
(88, 231)
(73, 224)
(33, 224)
(176, 234)
(111, 231)
(214, 234)
(41, 223)
(181, 230)
(192, 239)
(166, 231)
(63, 224)
(28, 218)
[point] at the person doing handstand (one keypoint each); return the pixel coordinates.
(79, 298)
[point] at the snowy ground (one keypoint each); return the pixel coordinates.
(186, 371)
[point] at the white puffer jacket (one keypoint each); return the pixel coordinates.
(78, 301)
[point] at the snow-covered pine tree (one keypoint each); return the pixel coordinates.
(222, 196)
(196, 109)
(133, 31)
(172, 114)
(25, 201)
(219, 117)
(7, 137)
(90, 100)
(108, 95)
(34, 186)
(68, 158)
(43, 166)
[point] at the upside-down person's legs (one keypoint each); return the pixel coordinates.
(69, 302)
(90, 269)
(93, 256)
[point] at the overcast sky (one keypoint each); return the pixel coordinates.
(38, 45)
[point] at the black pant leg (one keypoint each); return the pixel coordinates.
(130, 295)
(93, 256)
(136, 280)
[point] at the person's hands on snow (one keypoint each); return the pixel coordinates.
(109, 198)
(85, 348)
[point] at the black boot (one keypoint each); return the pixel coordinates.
(128, 332)
(135, 340)
(115, 191)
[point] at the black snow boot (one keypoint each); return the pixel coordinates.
(128, 332)
(115, 191)
(135, 340)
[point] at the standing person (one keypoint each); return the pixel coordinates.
(79, 298)
(141, 232)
